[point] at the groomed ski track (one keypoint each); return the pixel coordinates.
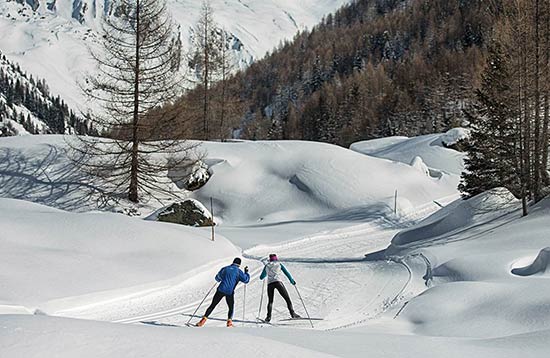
(335, 279)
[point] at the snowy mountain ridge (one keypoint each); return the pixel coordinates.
(26, 106)
(50, 38)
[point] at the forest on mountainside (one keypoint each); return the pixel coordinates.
(27, 106)
(374, 68)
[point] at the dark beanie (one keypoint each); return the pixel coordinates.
(237, 261)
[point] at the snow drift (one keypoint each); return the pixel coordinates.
(537, 267)
(429, 147)
(279, 181)
(457, 217)
(49, 254)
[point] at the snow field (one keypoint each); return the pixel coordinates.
(446, 287)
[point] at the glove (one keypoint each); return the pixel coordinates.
(246, 269)
(293, 283)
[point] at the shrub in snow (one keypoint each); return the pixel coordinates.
(198, 177)
(188, 212)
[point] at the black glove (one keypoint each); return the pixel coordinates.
(246, 269)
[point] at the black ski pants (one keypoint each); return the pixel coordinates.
(230, 299)
(283, 292)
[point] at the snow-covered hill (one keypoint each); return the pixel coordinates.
(469, 280)
(430, 148)
(251, 183)
(49, 38)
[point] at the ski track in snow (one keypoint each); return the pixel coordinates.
(330, 268)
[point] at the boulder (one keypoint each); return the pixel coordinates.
(189, 212)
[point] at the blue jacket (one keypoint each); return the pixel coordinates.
(229, 277)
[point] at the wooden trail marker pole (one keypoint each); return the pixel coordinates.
(212, 213)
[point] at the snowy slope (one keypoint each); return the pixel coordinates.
(52, 43)
(469, 280)
(302, 180)
(252, 182)
(49, 254)
(428, 147)
(483, 252)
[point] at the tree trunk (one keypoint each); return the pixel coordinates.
(133, 189)
(546, 69)
(206, 74)
(537, 123)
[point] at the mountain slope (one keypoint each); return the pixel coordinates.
(49, 38)
(372, 69)
(27, 107)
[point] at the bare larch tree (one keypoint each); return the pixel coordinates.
(138, 64)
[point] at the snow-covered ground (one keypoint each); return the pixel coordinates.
(468, 280)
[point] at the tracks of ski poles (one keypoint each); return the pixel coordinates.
(178, 310)
(345, 289)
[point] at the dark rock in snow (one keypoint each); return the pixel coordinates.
(188, 212)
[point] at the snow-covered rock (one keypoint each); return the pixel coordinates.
(189, 212)
(198, 177)
(455, 135)
(419, 165)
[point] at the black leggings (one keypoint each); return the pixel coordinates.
(230, 299)
(282, 291)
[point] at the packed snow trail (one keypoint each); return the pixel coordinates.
(335, 280)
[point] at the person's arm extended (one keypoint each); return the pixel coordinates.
(264, 273)
(285, 271)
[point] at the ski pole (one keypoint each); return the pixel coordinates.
(261, 300)
(244, 302)
(308, 317)
(200, 304)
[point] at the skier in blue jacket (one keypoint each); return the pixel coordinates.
(228, 277)
(273, 271)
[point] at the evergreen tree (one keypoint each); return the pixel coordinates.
(493, 147)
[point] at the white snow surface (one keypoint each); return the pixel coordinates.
(291, 180)
(428, 147)
(447, 286)
(49, 254)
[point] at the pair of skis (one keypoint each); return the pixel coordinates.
(287, 320)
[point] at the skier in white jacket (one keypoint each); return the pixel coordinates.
(273, 271)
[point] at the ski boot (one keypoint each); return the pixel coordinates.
(267, 319)
(294, 315)
(229, 323)
(202, 322)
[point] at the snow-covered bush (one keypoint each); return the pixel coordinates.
(198, 177)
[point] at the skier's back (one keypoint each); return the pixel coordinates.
(228, 277)
(274, 271)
